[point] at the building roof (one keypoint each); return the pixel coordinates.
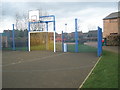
(113, 16)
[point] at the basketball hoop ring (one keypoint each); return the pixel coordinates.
(33, 20)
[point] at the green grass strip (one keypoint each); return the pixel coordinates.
(105, 74)
(81, 48)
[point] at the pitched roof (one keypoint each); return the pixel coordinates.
(113, 16)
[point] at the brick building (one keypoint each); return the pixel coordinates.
(111, 24)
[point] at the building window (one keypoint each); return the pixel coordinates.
(113, 20)
(113, 33)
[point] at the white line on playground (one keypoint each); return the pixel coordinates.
(89, 74)
(36, 59)
(49, 70)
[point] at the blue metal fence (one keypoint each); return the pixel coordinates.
(83, 42)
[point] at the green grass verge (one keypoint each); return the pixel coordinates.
(81, 48)
(105, 74)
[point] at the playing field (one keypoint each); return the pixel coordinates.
(45, 69)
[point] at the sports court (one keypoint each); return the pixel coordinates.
(39, 58)
(46, 69)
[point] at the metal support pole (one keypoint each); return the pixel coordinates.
(13, 38)
(54, 34)
(47, 26)
(0, 41)
(62, 41)
(76, 36)
(28, 36)
(47, 36)
(99, 53)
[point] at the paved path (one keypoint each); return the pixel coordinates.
(46, 69)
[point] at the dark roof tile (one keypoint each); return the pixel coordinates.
(113, 15)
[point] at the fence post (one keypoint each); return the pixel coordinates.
(13, 38)
(99, 53)
(62, 42)
(76, 36)
(0, 41)
(28, 36)
(54, 34)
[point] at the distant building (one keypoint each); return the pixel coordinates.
(58, 37)
(92, 35)
(111, 24)
(4, 40)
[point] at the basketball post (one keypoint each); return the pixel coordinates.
(47, 26)
(34, 16)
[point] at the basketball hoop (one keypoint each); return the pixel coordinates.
(33, 20)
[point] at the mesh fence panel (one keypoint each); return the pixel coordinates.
(58, 42)
(87, 42)
(7, 40)
(20, 40)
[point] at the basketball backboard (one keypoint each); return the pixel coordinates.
(34, 16)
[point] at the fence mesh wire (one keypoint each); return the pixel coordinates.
(20, 40)
(87, 42)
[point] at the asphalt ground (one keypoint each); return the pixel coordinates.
(44, 69)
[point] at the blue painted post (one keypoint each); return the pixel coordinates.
(99, 53)
(29, 27)
(13, 38)
(54, 23)
(76, 36)
(28, 36)
(54, 33)
(62, 41)
(47, 26)
(0, 41)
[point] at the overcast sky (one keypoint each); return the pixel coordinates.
(89, 14)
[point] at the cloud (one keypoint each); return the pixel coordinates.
(61, 0)
(90, 14)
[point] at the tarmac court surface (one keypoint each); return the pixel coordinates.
(45, 69)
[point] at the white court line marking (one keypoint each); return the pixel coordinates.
(56, 69)
(89, 74)
(34, 59)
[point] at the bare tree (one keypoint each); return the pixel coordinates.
(25, 20)
(17, 17)
(22, 21)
